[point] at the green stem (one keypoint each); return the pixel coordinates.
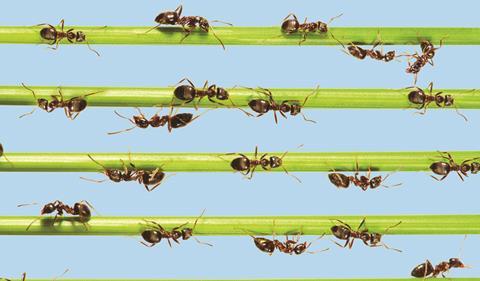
(219, 162)
(281, 279)
(323, 98)
(220, 226)
(252, 35)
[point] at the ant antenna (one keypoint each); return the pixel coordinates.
(61, 275)
(91, 49)
(155, 27)
(334, 18)
(36, 100)
(219, 40)
(27, 204)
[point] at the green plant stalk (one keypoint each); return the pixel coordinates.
(323, 98)
(223, 226)
(251, 35)
(281, 279)
(219, 162)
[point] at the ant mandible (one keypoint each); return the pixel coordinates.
(292, 107)
(72, 106)
(444, 168)
(247, 166)
(155, 233)
(173, 121)
(188, 23)
(292, 25)
(55, 36)
(370, 239)
(419, 97)
(80, 209)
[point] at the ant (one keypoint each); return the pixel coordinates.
(428, 52)
(444, 168)
(145, 177)
(156, 233)
(188, 23)
(247, 166)
(364, 182)
(72, 106)
(188, 93)
(292, 107)
(418, 96)
(426, 269)
(51, 33)
(292, 25)
(371, 239)
(80, 209)
(174, 121)
(361, 53)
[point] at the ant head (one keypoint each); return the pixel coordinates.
(300, 248)
(455, 262)
(375, 238)
(275, 162)
(475, 166)
(417, 96)
(187, 233)
(339, 180)
(169, 17)
(389, 56)
(48, 209)
(152, 236)
(440, 168)
(448, 101)
(290, 25)
(48, 33)
(80, 36)
(341, 232)
(141, 121)
(114, 175)
(376, 181)
(43, 103)
(77, 104)
(203, 24)
(82, 210)
(185, 92)
(222, 94)
(322, 27)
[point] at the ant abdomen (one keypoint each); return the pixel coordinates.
(185, 92)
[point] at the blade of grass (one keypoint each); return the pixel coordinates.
(220, 226)
(219, 162)
(323, 98)
(251, 35)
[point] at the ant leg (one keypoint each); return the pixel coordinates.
(187, 31)
(92, 180)
(335, 17)
(251, 173)
(28, 227)
(148, 245)
(362, 224)
(36, 100)
(304, 38)
(441, 179)
(219, 40)
(186, 79)
(392, 226)
(291, 14)
(275, 116)
(62, 24)
(155, 27)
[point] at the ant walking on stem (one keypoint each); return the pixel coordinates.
(444, 168)
(292, 25)
(188, 93)
(72, 106)
(188, 23)
(55, 36)
(361, 53)
(428, 52)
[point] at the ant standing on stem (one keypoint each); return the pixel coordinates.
(444, 168)
(247, 166)
(292, 25)
(428, 52)
(188, 23)
(188, 93)
(55, 36)
(361, 53)
(292, 107)
(155, 233)
(419, 97)
(371, 239)
(72, 106)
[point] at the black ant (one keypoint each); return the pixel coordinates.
(428, 52)
(444, 168)
(292, 107)
(146, 177)
(72, 106)
(174, 121)
(80, 209)
(188, 93)
(361, 53)
(292, 25)
(364, 182)
(247, 166)
(188, 23)
(371, 239)
(51, 33)
(418, 96)
(156, 233)
(426, 269)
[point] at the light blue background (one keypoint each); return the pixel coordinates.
(224, 131)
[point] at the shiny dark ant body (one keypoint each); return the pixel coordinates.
(55, 36)
(292, 25)
(361, 53)
(188, 23)
(189, 93)
(364, 182)
(72, 106)
(155, 233)
(247, 166)
(419, 97)
(426, 269)
(151, 179)
(172, 121)
(292, 107)
(428, 52)
(343, 231)
(444, 168)
(80, 209)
